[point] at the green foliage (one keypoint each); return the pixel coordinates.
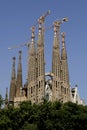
(28, 126)
(46, 116)
(1, 101)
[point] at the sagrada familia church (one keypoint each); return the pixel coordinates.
(40, 85)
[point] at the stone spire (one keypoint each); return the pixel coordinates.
(65, 87)
(19, 76)
(40, 63)
(56, 63)
(13, 82)
(32, 70)
(64, 61)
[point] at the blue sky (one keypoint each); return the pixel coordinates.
(16, 19)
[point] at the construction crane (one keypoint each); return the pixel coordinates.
(57, 23)
(41, 19)
(24, 44)
(18, 46)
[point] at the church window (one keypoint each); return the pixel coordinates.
(56, 84)
(31, 90)
(65, 90)
(39, 84)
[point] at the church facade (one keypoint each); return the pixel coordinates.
(37, 88)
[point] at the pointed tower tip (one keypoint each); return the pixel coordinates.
(13, 81)
(63, 34)
(76, 85)
(14, 58)
(20, 51)
(49, 11)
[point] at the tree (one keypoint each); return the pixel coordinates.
(28, 126)
(1, 101)
(44, 116)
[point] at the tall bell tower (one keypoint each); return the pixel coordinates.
(19, 77)
(40, 63)
(13, 82)
(60, 83)
(32, 70)
(65, 85)
(56, 64)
